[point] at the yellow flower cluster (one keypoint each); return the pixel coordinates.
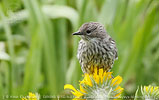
(150, 89)
(98, 81)
(150, 92)
(31, 96)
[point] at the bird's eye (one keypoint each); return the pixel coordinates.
(88, 31)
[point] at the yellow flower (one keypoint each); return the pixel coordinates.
(74, 92)
(99, 85)
(32, 96)
(150, 92)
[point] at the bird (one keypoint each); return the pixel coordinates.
(96, 48)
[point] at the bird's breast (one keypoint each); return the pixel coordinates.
(93, 52)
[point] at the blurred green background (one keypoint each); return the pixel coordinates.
(38, 51)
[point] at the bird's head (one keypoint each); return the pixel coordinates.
(91, 30)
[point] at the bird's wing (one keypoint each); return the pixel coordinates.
(112, 45)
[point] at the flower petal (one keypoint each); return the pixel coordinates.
(24, 99)
(101, 75)
(87, 80)
(68, 86)
(82, 90)
(116, 80)
(32, 96)
(77, 93)
(118, 88)
(74, 92)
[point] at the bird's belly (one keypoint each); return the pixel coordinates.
(92, 57)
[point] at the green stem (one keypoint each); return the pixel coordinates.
(11, 50)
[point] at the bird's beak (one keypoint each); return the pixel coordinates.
(77, 33)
